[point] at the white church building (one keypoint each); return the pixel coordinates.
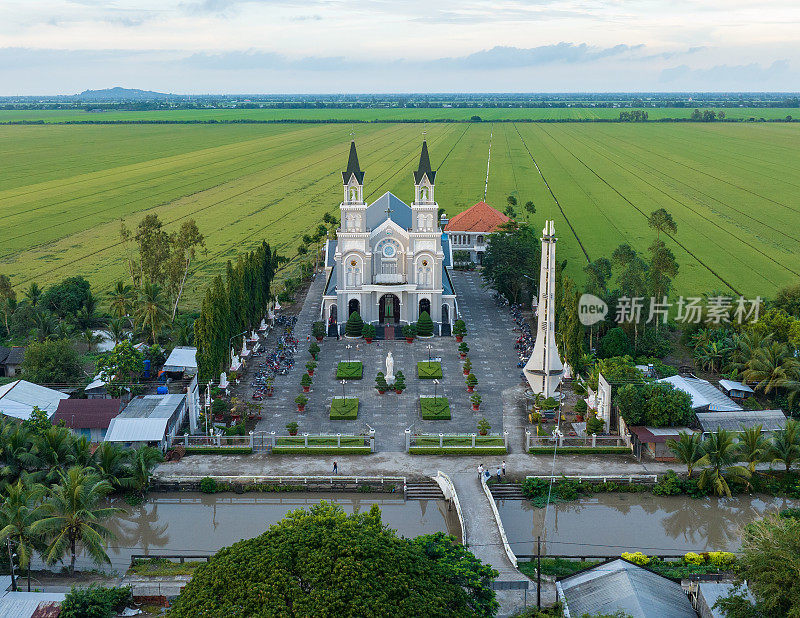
(389, 261)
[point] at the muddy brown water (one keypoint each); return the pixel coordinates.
(200, 524)
(608, 524)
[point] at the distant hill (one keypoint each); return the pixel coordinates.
(120, 94)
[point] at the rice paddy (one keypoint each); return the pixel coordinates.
(732, 187)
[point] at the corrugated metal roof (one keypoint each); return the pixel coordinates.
(622, 586)
(31, 604)
(770, 420)
(136, 429)
(731, 385)
(703, 393)
(182, 358)
(18, 398)
(153, 406)
(658, 434)
(86, 413)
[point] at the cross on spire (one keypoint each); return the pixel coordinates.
(389, 211)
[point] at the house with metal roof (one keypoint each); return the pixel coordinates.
(621, 586)
(151, 420)
(389, 261)
(470, 229)
(735, 390)
(770, 420)
(87, 417)
(182, 359)
(11, 360)
(652, 441)
(705, 396)
(18, 398)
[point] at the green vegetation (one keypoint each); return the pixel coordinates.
(160, 567)
(429, 575)
(581, 450)
(300, 441)
(344, 409)
(218, 450)
(655, 405)
(461, 441)
(424, 325)
(429, 370)
(434, 409)
(195, 172)
(95, 602)
(353, 370)
(354, 326)
(321, 450)
(457, 450)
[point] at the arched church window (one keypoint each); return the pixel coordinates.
(353, 274)
(424, 273)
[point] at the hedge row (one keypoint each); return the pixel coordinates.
(218, 450)
(457, 450)
(581, 450)
(321, 450)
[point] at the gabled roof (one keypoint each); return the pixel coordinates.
(622, 586)
(86, 413)
(182, 358)
(703, 393)
(424, 168)
(154, 406)
(136, 429)
(732, 385)
(478, 218)
(12, 356)
(400, 211)
(770, 420)
(18, 398)
(353, 167)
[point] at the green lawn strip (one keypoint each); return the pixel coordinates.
(218, 450)
(435, 409)
(352, 370)
(161, 567)
(429, 371)
(321, 450)
(457, 450)
(479, 441)
(300, 441)
(580, 450)
(344, 409)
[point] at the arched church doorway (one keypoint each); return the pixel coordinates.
(425, 305)
(353, 307)
(389, 309)
(445, 314)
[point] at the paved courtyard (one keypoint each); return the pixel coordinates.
(490, 338)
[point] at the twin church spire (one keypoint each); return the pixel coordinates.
(353, 175)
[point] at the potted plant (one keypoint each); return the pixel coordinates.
(218, 408)
(270, 386)
(313, 349)
(409, 332)
(467, 367)
(595, 425)
(354, 326)
(483, 427)
(368, 332)
(463, 348)
(301, 402)
(217, 392)
(476, 401)
(305, 382)
(425, 325)
(318, 330)
(380, 383)
(472, 382)
(399, 382)
(459, 330)
(292, 427)
(310, 367)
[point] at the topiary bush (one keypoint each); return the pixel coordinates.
(209, 485)
(723, 560)
(693, 558)
(424, 325)
(368, 331)
(636, 557)
(581, 406)
(354, 326)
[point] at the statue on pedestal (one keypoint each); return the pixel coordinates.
(389, 368)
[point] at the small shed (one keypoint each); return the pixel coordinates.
(182, 359)
(621, 586)
(653, 441)
(152, 420)
(770, 420)
(735, 390)
(10, 361)
(87, 417)
(705, 396)
(708, 593)
(18, 398)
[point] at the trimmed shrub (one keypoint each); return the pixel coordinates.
(581, 450)
(368, 331)
(409, 331)
(581, 407)
(354, 325)
(218, 450)
(344, 409)
(380, 382)
(353, 370)
(320, 450)
(399, 381)
(318, 329)
(636, 557)
(460, 328)
(209, 485)
(693, 558)
(429, 370)
(723, 560)
(424, 325)
(457, 450)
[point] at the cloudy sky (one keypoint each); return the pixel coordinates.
(357, 46)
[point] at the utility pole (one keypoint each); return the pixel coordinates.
(11, 564)
(538, 572)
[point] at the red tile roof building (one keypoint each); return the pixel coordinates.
(468, 229)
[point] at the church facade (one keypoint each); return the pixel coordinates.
(390, 260)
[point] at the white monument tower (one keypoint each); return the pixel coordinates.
(544, 369)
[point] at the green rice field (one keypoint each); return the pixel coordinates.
(732, 187)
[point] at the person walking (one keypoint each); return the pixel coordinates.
(503, 466)
(480, 471)
(335, 468)
(498, 475)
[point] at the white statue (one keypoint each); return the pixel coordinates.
(390, 368)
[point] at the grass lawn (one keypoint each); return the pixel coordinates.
(344, 409)
(435, 409)
(429, 370)
(353, 370)
(160, 567)
(461, 441)
(300, 441)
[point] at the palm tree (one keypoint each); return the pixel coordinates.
(771, 367)
(712, 356)
(688, 449)
(151, 309)
(753, 446)
(71, 517)
(33, 294)
(111, 462)
(20, 510)
(721, 454)
(121, 300)
(15, 449)
(116, 328)
(64, 330)
(786, 444)
(52, 451)
(45, 325)
(745, 347)
(142, 463)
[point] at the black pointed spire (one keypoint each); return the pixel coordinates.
(424, 166)
(352, 166)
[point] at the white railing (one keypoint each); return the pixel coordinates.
(512, 558)
(213, 441)
(290, 480)
(470, 440)
(608, 478)
(449, 491)
(593, 441)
